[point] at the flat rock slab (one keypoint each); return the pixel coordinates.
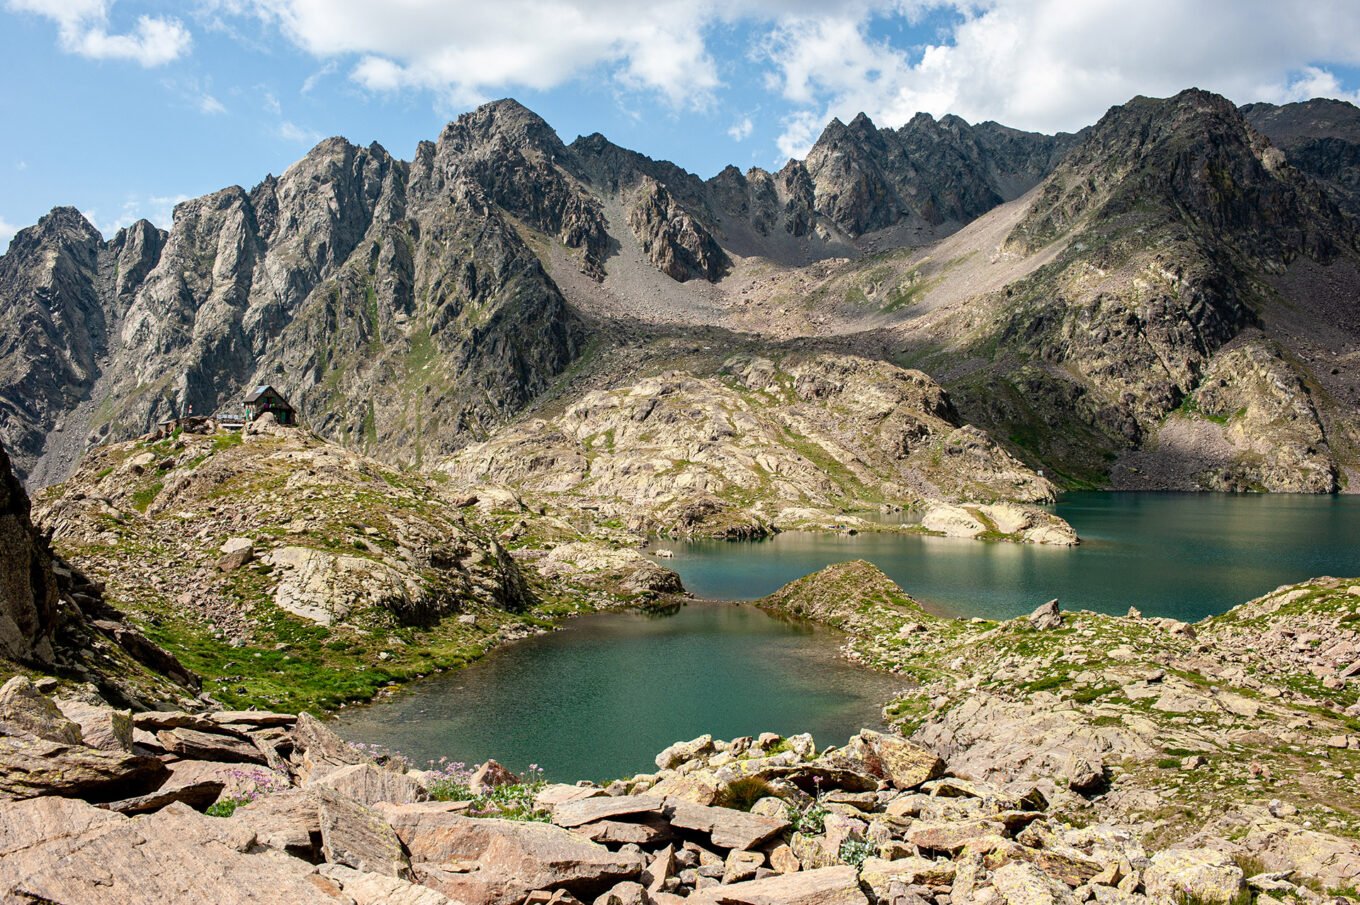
(725, 827)
(376, 889)
(59, 850)
(652, 830)
(511, 859)
(825, 886)
(155, 720)
(196, 745)
(369, 784)
(554, 795)
(32, 766)
(588, 810)
(251, 718)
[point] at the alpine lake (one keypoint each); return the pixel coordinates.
(601, 696)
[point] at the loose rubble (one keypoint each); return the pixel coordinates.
(294, 813)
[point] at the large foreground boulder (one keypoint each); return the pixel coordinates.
(63, 851)
(484, 861)
(32, 766)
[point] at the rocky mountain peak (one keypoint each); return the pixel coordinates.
(64, 225)
(502, 123)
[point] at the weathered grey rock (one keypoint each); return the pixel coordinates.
(826, 886)
(514, 858)
(236, 552)
(101, 727)
(1207, 874)
(32, 766)
(195, 745)
(488, 776)
(726, 828)
(676, 754)
(701, 787)
(369, 784)
(880, 875)
(903, 763)
(320, 750)
(356, 836)
(1046, 616)
(288, 821)
(1023, 884)
(26, 711)
(58, 850)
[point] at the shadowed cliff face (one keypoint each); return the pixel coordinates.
(28, 592)
(1320, 137)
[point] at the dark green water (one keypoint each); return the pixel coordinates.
(600, 698)
(1181, 555)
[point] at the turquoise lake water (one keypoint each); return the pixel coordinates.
(601, 697)
(1181, 555)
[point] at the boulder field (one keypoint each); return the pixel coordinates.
(99, 805)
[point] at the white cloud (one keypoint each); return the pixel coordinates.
(1055, 65)
(315, 78)
(210, 105)
(83, 29)
(741, 129)
(7, 231)
(271, 104)
(291, 131)
(468, 50)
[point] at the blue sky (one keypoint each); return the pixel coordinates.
(122, 107)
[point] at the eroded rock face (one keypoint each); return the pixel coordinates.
(515, 858)
(28, 590)
(677, 244)
(818, 432)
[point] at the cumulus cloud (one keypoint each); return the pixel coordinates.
(741, 129)
(1053, 65)
(83, 29)
(467, 50)
(7, 231)
(1038, 64)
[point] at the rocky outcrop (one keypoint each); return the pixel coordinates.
(335, 539)
(730, 454)
(1252, 424)
(28, 589)
(928, 172)
(1320, 137)
(675, 243)
(1154, 240)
